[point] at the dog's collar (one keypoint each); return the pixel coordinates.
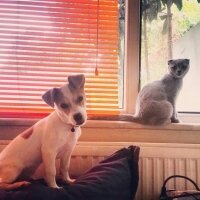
(73, 127)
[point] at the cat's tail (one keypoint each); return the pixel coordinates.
(124, 117)
(155, 113)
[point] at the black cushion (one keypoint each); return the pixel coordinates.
(115, 178)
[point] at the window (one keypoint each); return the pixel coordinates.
(171, 29)
(93, 131)
(43, 41)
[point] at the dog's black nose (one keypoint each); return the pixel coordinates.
(78, 118)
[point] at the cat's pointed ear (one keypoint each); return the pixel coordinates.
(187, 61)
(170, 62)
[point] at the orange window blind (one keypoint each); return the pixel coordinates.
(44, 41)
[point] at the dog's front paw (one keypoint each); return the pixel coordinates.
(59, 188)
(55, 186)
(70, 181)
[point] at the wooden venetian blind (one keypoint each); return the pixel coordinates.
(44, 41)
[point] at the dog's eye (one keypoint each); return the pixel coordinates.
(79, 99)
(64, 105)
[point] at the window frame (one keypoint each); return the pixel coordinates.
(132, 56)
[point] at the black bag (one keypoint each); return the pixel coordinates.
(179, 194)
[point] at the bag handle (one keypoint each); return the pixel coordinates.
(163, 190)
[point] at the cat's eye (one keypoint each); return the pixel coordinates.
(64, 105)
(80, 99)
(174, 67)
(184, 67)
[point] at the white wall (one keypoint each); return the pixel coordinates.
(189, 47)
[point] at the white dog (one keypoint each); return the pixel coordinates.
(50, 138)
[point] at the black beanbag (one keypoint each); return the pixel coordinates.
(115, 178)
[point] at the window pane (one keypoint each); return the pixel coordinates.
(171, 30)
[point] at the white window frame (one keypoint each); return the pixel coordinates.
(132, 55)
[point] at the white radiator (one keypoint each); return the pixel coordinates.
(157, 162)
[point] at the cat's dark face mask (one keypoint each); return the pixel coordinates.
(178, 68)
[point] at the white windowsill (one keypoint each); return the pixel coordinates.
(111, 124)
(130, 125)
(189, 118)
(117, 131)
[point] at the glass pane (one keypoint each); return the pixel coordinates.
(171, 30)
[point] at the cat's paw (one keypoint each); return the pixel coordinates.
(175, 120)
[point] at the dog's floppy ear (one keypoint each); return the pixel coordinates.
(50, 96)
(77, 81)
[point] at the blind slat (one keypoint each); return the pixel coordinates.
(43, 42)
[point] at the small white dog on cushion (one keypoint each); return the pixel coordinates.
(50, 138)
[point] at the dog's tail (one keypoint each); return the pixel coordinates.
(11, 186)
(128, 118)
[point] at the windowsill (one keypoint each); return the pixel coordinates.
(106, 124)
(116, 131)
(188, 121)
(189, 118)
(130, 125)
(108, 131)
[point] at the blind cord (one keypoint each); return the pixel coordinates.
(97, 42)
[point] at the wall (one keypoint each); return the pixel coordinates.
(188, 46)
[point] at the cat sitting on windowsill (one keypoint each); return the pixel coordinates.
(156, 101)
